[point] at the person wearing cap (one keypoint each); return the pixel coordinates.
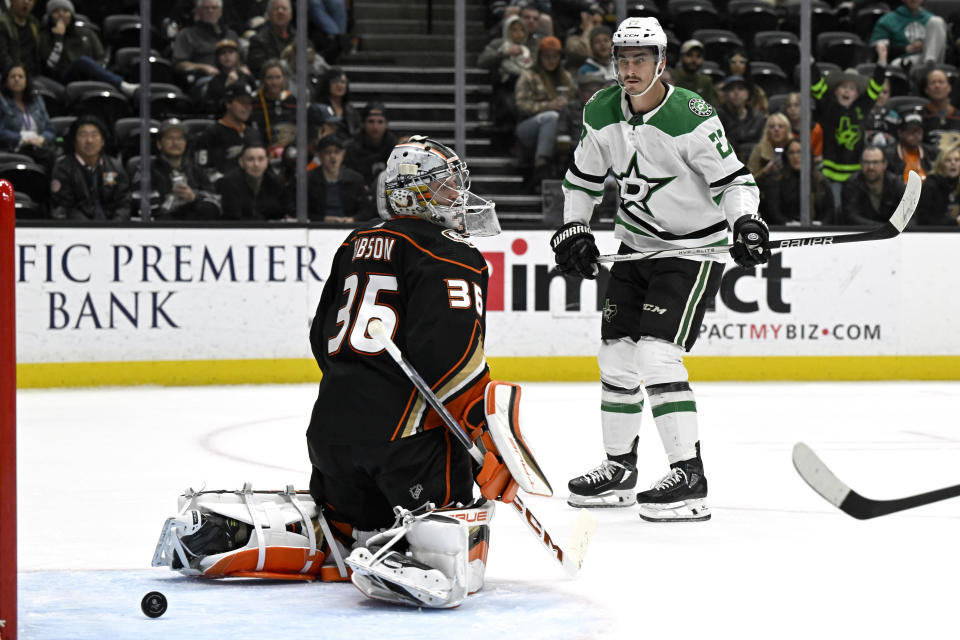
(737, 63)
(87, 184)
(600, 58)
(909, 153)
(179, 189)
(571, 117)
(872, 194)
(323, 122)
(687, 72)
(20, 36)
(218, 147)
(577, 45)
(841, 104)
(195, 47)
(743, 125)
(541, 93)
(336, 193)
(252, 191)
(941, 120)
(230, 71)
(367, 152)
(271, 37)
(71, 52)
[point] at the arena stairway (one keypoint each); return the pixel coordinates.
(405, 60)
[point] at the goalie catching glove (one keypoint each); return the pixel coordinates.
(750, 234)
(575, 250)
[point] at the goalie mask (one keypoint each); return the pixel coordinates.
(640, 32)
(427, 179)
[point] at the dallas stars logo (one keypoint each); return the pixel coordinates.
(700, 107)
(636, 188)
(609, 310)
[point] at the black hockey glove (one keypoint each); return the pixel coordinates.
(575, 250)
(750, 233)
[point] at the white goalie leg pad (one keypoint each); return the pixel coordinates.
(478, 517)
(621, 397)
(271, 535)
(502, 409)
(432, 572)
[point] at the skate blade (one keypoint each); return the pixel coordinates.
(607, 500)
(683, 511)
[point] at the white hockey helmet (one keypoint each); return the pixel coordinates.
(640, 32)
(427, 179)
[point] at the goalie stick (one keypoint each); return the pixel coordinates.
(890, 229)
(816, 474)
(571, 557)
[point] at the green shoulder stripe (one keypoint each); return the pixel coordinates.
(603, 109)
(683, 112)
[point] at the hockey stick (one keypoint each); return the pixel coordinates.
(571, 558)
(816, 474)
(890, 229)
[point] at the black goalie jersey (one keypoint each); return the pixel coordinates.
(427, 285)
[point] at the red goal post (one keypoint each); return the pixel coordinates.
(8, 419)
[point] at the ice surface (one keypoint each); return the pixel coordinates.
(100, 470)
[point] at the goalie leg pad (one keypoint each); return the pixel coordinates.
(246, 533)
(423, 562)
(502, 409)
(478, 517)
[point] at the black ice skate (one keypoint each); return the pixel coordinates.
(612, 484)
(677, 497)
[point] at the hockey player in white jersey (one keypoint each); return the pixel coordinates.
(681, 185)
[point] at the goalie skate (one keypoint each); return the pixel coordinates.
(611, 484)
(677, 497)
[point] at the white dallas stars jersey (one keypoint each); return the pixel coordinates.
(680, 180)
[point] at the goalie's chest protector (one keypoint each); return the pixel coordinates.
(665, 162)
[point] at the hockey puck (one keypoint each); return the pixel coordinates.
(154, 604)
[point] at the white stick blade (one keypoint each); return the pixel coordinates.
(816, 474)
(576, 551)
(908, 204)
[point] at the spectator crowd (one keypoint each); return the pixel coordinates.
(884, 95)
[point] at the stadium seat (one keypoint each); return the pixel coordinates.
(27, 177)
(901, 104)
(643, 9)
(26, 208)
(196, 126)
(54, 95)
(97, 98)
(673, 46)
(899, 82)
(62, 124)
(823, 17)
(747, 17)
(843, 48)
(717, 43)
(126, 132)
(713, 70)
(776, 101)
(127, 64)
(690, 15)
(123, 30)
(826, 68)
(769, 77)
(865, 17)
(779, 47)
(6, 157)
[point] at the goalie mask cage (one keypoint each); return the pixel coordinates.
(8, 420)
